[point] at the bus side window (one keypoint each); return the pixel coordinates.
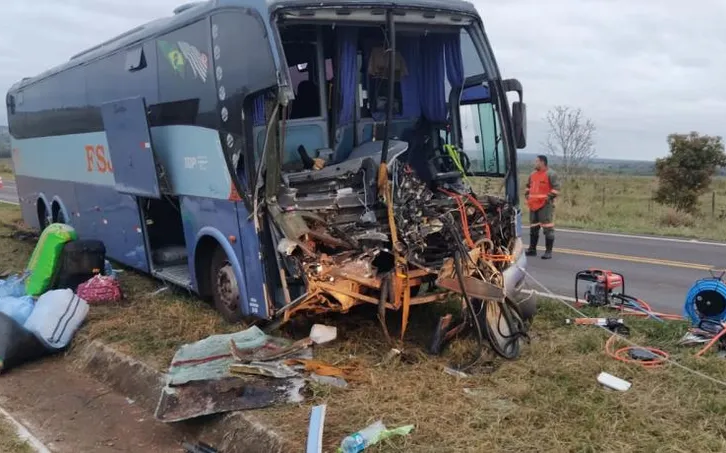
(243, 66)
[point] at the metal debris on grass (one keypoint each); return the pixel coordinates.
(199, 381)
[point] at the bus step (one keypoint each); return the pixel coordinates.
(177, 275)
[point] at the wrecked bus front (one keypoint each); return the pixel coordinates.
(363, 168)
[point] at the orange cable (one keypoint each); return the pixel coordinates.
(661, 357)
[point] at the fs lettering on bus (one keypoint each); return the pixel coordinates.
(96, 159)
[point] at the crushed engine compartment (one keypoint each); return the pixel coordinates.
(347, 244)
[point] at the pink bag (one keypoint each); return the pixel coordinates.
(100, 289)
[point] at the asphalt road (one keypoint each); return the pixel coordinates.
(658, 270)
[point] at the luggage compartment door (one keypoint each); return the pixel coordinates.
(132, 152)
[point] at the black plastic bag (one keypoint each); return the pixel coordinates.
(18, 345)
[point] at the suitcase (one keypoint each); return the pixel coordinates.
(44, 262)
(80, 260)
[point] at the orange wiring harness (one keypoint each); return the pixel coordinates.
(460, 203)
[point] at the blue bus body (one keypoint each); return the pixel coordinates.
(199, 79)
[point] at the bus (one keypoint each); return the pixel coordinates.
(279, 157)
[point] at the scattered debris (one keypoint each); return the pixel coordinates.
(206, 377)
(315, 429)
(332, 381)
(455, 373)
(613, 382)
(275, 370)
(393, 354)
(158, 291)
(323, 369)
(321, 334)
(371, 435)
(694, 337)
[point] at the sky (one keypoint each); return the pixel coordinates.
(639, 69)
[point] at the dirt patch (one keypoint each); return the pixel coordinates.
(71, 412)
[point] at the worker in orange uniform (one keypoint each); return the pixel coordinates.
(542, 189)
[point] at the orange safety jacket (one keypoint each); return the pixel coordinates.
(539, 188)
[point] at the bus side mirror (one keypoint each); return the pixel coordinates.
(519, 119)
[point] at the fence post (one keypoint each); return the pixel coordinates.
(603, 197)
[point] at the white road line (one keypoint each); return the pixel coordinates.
(649, 238)
(10, 202)
(24, 434)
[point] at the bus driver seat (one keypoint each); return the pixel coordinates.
(307, 101)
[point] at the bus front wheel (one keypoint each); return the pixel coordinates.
(225, 290)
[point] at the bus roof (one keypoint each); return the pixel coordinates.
(190, 12)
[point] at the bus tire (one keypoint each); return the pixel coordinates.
(224, 287)
(58, 214)
(44, 218)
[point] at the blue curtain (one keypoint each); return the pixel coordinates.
(348, 61)
(410, 91)
(432, 72)
(258, 111)
(454, 60)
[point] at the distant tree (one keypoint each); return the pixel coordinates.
(686, 173)
(570, 138)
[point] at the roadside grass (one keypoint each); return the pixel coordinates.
(546, 401)
(9, 440)
(624, 204)
(6, 168)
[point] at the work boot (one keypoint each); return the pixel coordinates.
(549, 243)
(533, 239)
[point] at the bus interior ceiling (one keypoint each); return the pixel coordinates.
(329, 224)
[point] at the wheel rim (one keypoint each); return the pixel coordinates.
(227, 288)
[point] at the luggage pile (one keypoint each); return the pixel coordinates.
(43, 308)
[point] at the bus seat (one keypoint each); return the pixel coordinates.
(307, 101)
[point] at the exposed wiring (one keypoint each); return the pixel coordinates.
(479, 334)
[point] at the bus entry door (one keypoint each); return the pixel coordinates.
(130, 146)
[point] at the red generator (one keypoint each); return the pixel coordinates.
(600, 286)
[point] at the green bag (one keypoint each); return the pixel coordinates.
(46, 257)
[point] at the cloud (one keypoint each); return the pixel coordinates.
(640, 69)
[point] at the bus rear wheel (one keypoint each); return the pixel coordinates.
(44, 218)
(224, 286)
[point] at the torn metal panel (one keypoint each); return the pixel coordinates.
(199, 381)
(200, 398)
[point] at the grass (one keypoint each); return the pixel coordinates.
(6, 168)
(548, 400)
(624, 204)
(9, 440)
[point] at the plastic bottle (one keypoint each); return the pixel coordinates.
(364, 438)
